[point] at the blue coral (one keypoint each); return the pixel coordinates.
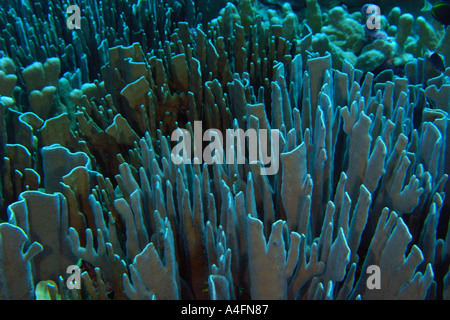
(87, 176)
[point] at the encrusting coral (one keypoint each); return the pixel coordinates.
(362, 166)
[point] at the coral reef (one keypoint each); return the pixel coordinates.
(88, 176)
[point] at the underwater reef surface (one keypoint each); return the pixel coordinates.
(88, 181)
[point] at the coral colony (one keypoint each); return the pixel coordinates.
(224, 150)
